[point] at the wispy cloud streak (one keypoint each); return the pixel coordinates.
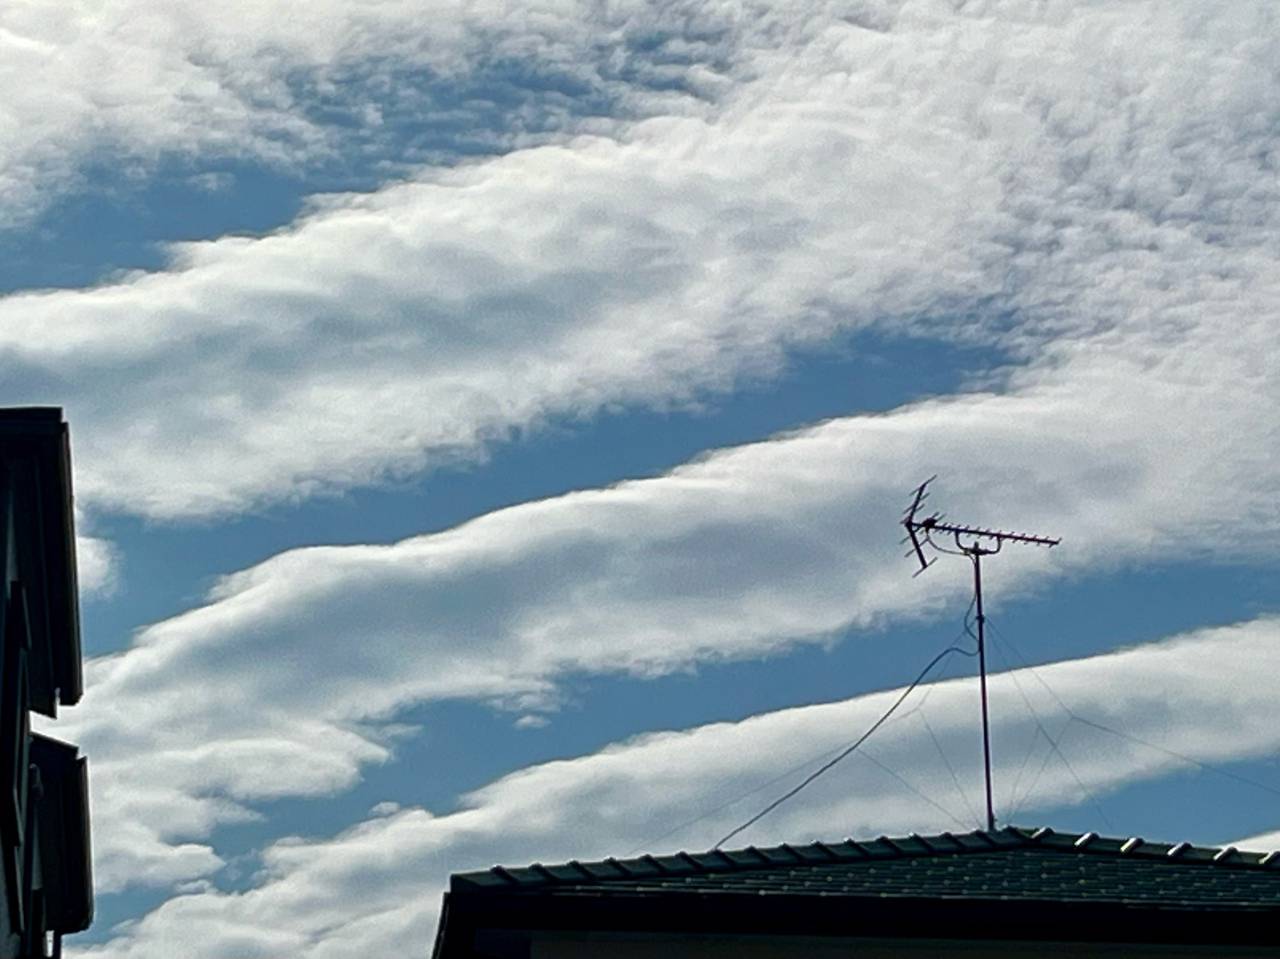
(377, 886)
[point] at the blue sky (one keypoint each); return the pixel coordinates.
(490, 427)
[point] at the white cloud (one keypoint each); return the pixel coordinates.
(1088, 187)
(1050, 182)
(1265, 842)
(125, 86)
(263, 692)
(97, 566)
(376, 887)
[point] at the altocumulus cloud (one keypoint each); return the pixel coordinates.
(1028, 180)
(139, 82)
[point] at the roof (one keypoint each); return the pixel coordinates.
(1033, 881)
(1010, 863)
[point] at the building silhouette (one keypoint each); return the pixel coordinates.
(44, 811)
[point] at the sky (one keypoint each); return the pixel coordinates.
(491, 423)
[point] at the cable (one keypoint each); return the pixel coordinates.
(934, 803)
(964, 796)
(1010, 803)
(843, 753)
(1076, 717)
(1054, 744)
(1035, 780)
(649, 844)
(971, 653)
(1013, 804)
(918, 710)
(1186, 759)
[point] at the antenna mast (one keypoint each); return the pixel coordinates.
(974, 542)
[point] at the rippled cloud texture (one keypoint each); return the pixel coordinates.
(557, 214)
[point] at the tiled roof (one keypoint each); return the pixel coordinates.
(1010, 864)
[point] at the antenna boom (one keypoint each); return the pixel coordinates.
(931, 524)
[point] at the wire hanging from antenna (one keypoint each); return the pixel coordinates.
(847, 751)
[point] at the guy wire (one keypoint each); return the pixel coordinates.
(1073, 716)
(1055, 744)
(889, 770)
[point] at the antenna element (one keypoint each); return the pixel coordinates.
(974, 542)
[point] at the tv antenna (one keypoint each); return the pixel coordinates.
(974, 542)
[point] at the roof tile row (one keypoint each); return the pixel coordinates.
(1008, 863)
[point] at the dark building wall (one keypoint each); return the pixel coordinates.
(44, 858)
(789, 947)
